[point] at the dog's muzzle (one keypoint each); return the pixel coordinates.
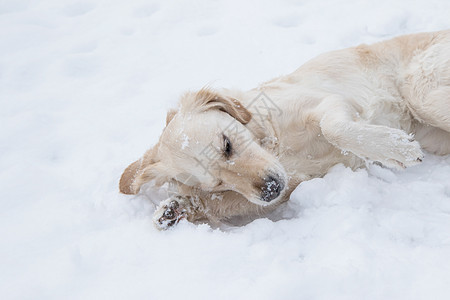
(272, 188)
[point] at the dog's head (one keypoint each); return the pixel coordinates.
(206, 144)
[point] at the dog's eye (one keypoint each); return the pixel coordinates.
(227, 149)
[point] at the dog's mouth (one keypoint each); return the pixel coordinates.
(265, 191)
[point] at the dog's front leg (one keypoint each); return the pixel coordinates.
(340, 126)
(171, 211)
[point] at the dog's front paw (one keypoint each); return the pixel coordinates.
(169, 213)
(405, 152)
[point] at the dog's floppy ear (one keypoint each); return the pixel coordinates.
(209, 100)
(140, 172)
(128, 177)
(143, 170)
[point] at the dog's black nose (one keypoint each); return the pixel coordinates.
(272, 188)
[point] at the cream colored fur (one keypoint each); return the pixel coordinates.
(382, 103)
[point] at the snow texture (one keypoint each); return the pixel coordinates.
(84, 88)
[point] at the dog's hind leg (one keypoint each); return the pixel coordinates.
(434, 109)
(389, 146)
(426, 86)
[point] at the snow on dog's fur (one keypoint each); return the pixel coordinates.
(225, 156)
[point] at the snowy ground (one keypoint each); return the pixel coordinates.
(84, 87)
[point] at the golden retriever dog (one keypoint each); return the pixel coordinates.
(226, 154)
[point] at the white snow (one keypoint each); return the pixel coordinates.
(84, 88)
(185, 142)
